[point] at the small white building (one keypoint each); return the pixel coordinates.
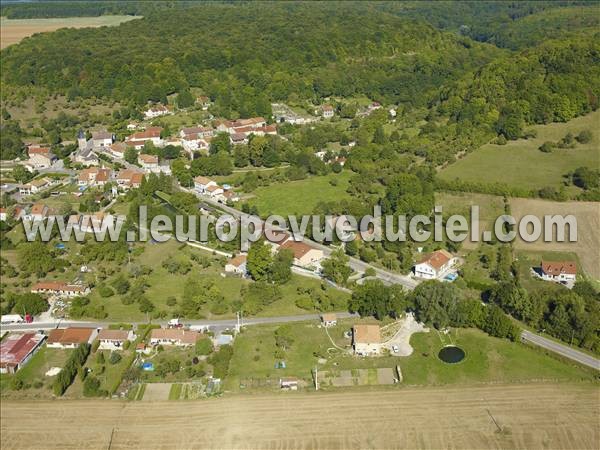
(327, 111)
(236, 265)
(148, 162)
(102, 139)
(328, 320)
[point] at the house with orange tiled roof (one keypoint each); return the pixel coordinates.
(60, 288)
(304, 255)
(558, 271)
(435, 264)
(152, 134)
(236, 265)
(366, 339)
(70, 337)
(129, 178)
(94, 176)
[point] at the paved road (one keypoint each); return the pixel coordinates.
(219, 324)
(561, 349)
(356, 264)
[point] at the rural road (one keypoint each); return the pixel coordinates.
(222, 324)
(356, 264)
(563, 350)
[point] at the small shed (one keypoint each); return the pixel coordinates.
(329, 319)
(288, 384)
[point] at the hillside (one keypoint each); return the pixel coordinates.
(249, 54)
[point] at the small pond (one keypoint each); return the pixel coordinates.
(451, 354)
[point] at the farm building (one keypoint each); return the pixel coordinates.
(17, 349)
(60, 288)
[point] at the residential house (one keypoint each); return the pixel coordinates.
(128, 178)
(197, 132)
(366, 339)
(327, 111)
(236, 265)
(174, 336)
(117, 149)
(238, 138)
(35, 186)
(114, 339)
(17, 349)
(214, 191)
(86, 157)
(148, 162)
(70, 337)
(94, 176)
(152, 134)
(329, 319)
(60, 288)
(558, 271)
(229, 196)
(38, 212)
(201, 184)
(39, 157)
(102, 139)
(304, 255)
(3, 214)
(156, 111)
(435, 265)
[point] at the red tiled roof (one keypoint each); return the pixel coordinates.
(299, 249)
(437, 259)
(555, 268)
(70, 335)
(15, 347)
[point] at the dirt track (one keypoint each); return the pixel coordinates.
(531, 416)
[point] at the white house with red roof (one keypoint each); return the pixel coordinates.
(156, 111)
(435, 265)
(559, 271)
(39, 157)
(152, 134)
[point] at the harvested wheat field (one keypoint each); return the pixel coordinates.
(502, 416)
(13, 31)
(588, 224)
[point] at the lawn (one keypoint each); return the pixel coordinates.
(300, 197)
(487, 359)
(33, 374)
(521, 164)
(161, 285)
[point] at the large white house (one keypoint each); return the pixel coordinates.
(174, 336)
(435, 264)
(156, 111)
(304, 255)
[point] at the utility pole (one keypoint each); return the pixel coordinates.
(316, 378)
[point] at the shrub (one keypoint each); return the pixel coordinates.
(105, 291)
(547, 147)
(114, 358)
(204, 346)
(584, 137)
(171, 301)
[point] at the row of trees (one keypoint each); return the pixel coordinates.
(75, 362)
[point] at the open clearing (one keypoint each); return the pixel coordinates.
(530, 416)
(521, 164)
(13, 31)
(588, 224)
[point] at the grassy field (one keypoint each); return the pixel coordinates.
(33, 374)
(300, 197)
(13, 31)
(490, 208)
(532, 416)
(521, 164)
(588, 224)
(488, 359)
